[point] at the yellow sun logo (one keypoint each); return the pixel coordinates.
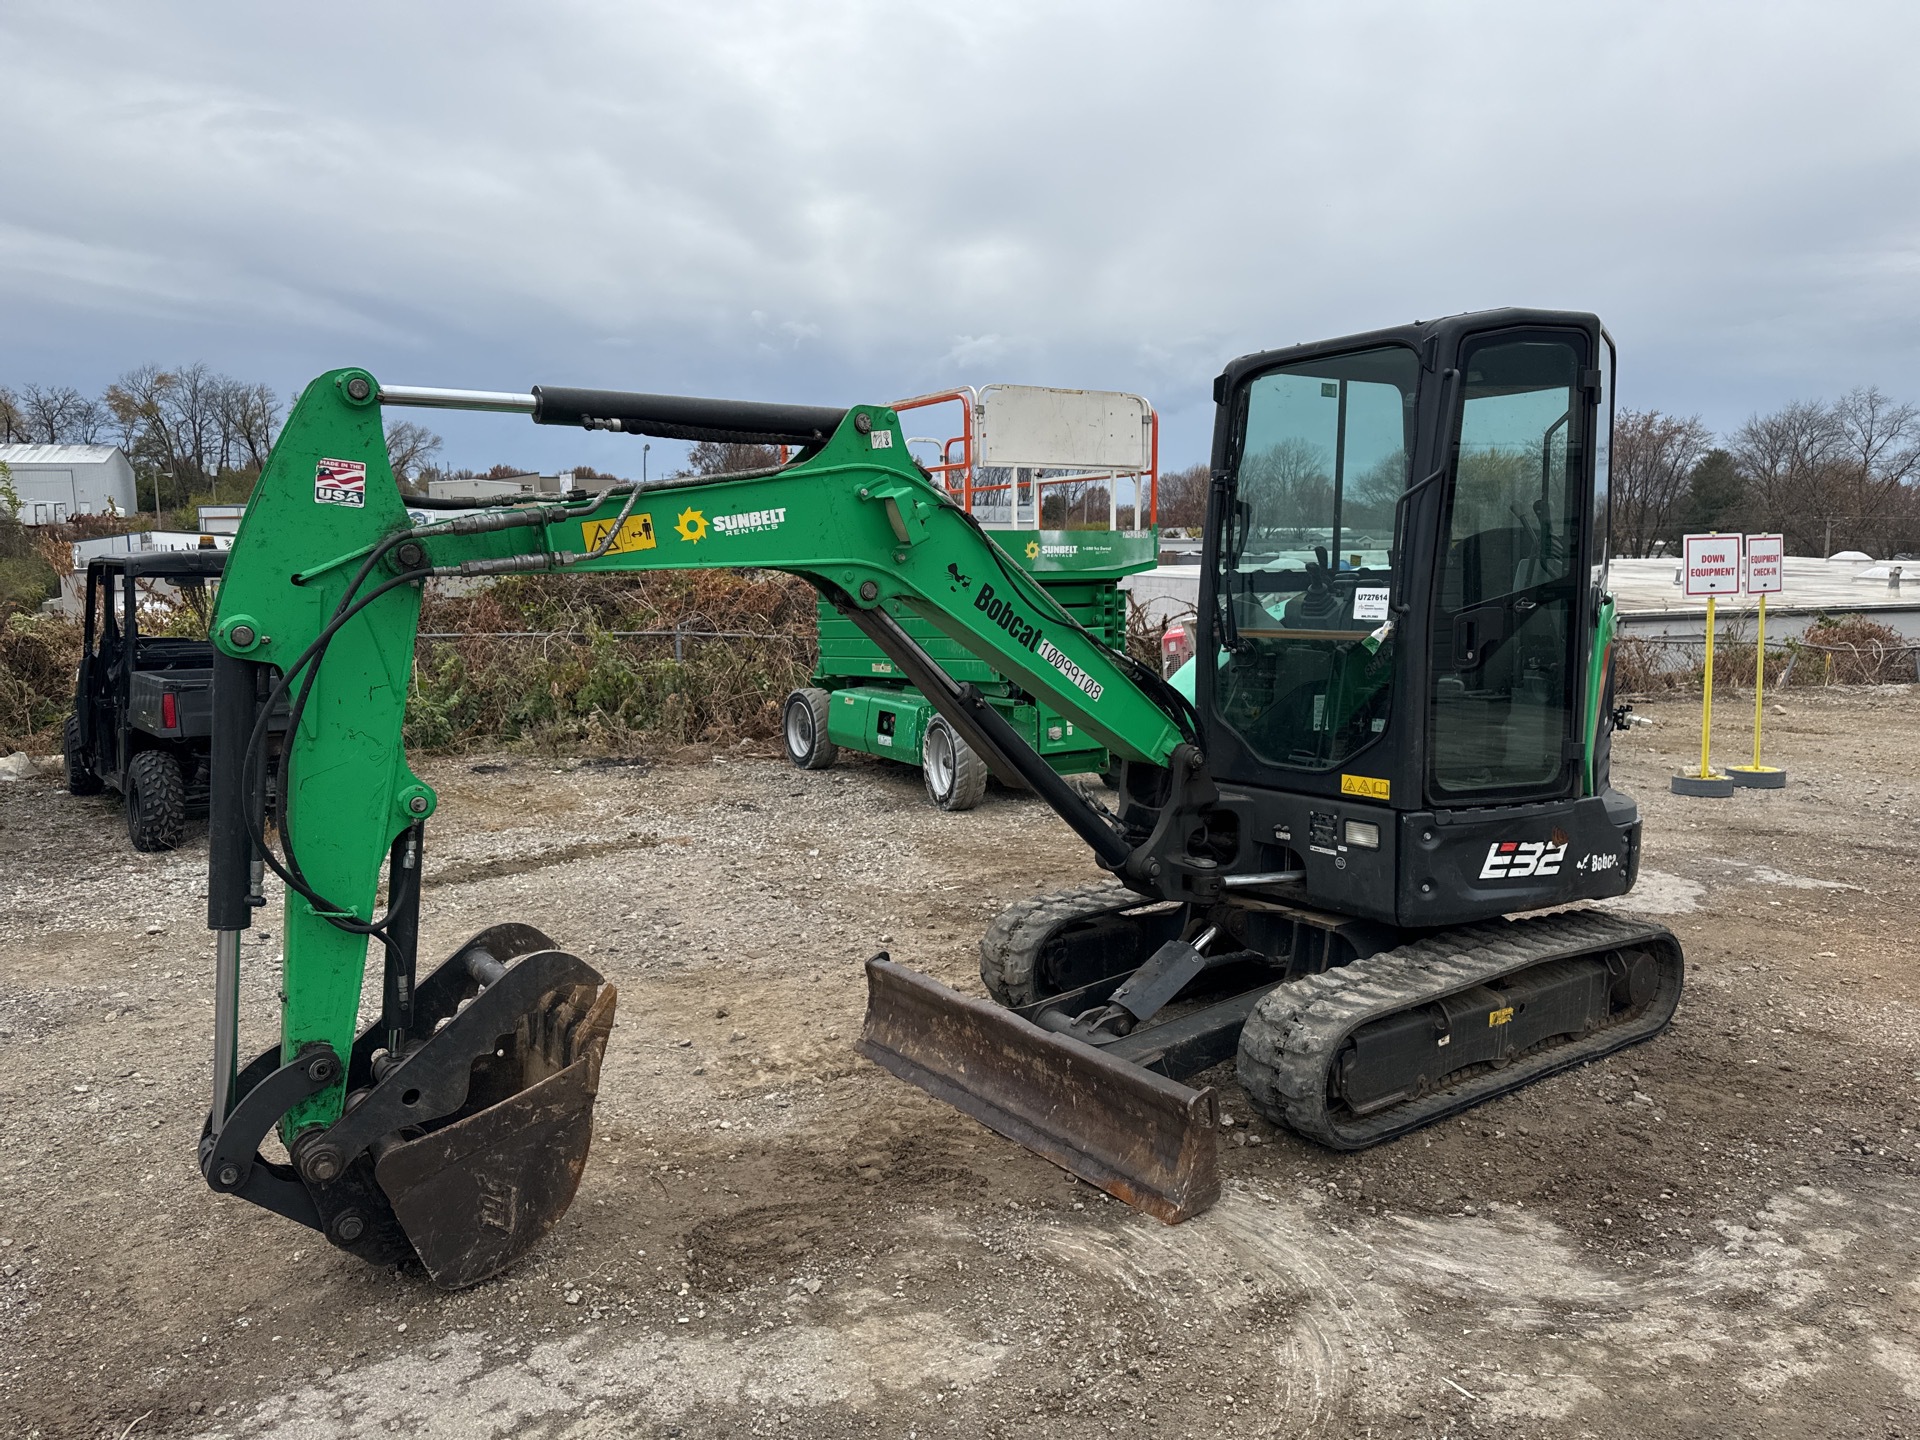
(692, 525)
(1033, 549)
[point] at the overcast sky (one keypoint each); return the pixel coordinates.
(832, 202)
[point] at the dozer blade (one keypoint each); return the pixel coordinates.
(510, 1068)
(1139, 1136)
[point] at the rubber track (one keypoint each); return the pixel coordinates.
(1295, 1034)
(1010, 950)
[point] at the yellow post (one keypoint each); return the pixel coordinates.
(1706, 708)
(1766, 554)
(1759, 678)
(1713, 566)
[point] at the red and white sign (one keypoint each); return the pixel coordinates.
(1713, 565)
(1766, 564)
(340, 482)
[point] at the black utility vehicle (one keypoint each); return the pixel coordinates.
(142, 710)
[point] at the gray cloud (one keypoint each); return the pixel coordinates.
(840, 201)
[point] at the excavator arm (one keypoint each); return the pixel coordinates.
(456, 1126)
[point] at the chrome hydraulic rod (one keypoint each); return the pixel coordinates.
(431, 397)
(226, 1020)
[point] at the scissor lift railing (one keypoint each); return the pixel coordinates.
(1053, 439)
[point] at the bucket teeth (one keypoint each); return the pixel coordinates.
(1136, 1134)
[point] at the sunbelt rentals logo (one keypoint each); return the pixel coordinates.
(750, 521)
(1053, 552)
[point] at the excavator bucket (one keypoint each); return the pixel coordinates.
(509, 1066)
(1136, 1134)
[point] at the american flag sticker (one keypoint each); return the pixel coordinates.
(340, 482)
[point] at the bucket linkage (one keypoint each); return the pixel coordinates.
(464, 1150)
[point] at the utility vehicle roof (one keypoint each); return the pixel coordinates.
(162, 563)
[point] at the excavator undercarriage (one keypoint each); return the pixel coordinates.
(1349, 1035)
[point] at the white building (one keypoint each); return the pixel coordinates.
(221, 519)
(507, 487)
(55, 481)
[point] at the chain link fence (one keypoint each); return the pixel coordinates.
(1839, 650)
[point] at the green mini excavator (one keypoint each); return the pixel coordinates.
(1396, 742)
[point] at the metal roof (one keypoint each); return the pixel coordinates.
(1645, 587)
(57, 454)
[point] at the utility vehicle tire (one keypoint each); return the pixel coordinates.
(804, 724)
(156, 801)
(80, 777)
(956, 777)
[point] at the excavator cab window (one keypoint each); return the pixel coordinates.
(1321, 457)
(1509, 584)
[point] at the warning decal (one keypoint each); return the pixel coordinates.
(1373, 787)
(340, 482)
(636, 533)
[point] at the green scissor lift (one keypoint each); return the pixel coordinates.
(859, 701)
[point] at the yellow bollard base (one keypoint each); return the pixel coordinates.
(1757, 777)
(1711, 786)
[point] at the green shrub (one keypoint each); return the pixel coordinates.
(538, 660)
(25, 577)
(574, 684)
(39, 657)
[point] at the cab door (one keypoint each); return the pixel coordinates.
(1509, 593)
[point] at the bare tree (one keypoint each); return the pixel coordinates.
(1290, 488)
(1782, 456)
(249, 417)
(137, 402)
(1833, 475)
(1068, 501)
(190, 411)
(1879, 438)
(61, 415)
(1654, 455)
(90, 421)
(45, 414)
(410, 451)
(715, 457)
(13, 423)
(1183, 497)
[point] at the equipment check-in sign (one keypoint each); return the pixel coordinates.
(1766, 565)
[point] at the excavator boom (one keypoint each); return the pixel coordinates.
(441, 1126)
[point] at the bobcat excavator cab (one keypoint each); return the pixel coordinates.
(1398, 739)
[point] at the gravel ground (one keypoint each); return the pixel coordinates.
(1710, 1235)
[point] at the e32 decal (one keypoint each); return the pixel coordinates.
(1518, 859)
